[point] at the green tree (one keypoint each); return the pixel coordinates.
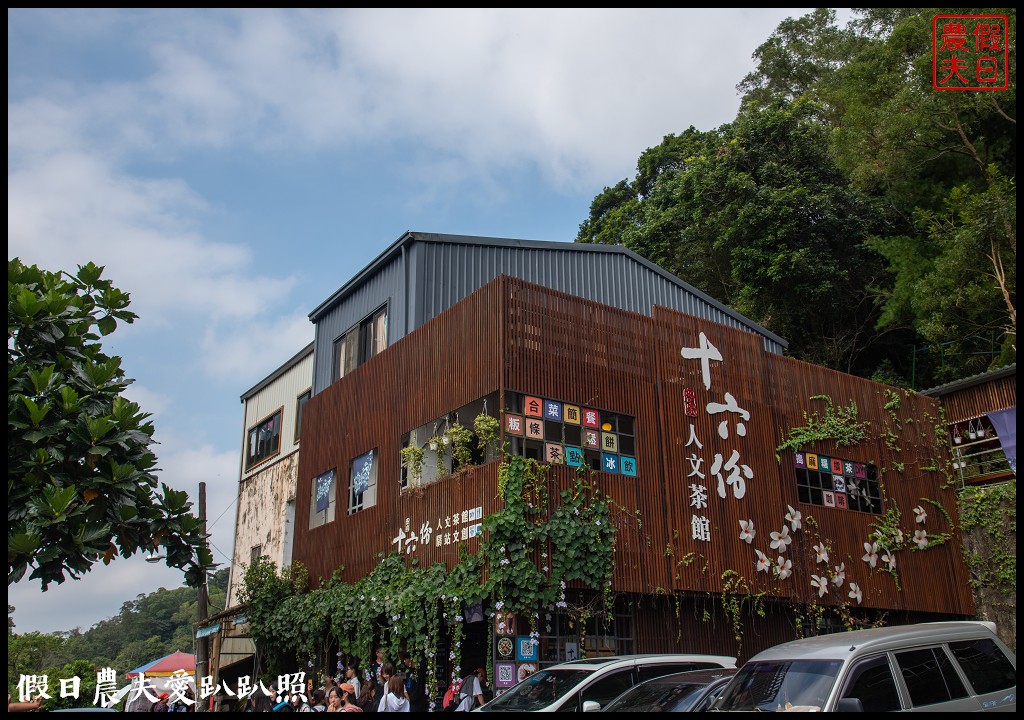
(758, 215)
(81, 477)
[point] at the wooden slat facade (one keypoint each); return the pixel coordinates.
(974, 401)
(515, 336)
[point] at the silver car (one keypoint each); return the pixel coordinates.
(941, 666)
(587, 685)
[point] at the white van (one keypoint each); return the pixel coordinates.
(941, 666)
(587, 685)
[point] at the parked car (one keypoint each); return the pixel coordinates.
(592, 683)
(693, 691)
(941, 666)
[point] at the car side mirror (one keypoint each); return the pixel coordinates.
(591, 706)
(850, 704)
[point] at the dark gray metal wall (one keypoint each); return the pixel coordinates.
(449, 271)
(387, 285)
(425, 274)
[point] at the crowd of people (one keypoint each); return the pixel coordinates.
(384, 687)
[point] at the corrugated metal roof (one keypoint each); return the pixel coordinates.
(971, 381)
(292, 362)
(563, 247)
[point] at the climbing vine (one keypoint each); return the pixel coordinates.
(988, 518)
(838, 424)
(529, 555)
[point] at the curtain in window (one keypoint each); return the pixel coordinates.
(1005, 424)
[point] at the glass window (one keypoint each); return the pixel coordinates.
(363, 483)
(986, 666)
(322, 499)
(606, 688)
(361, 343)
(300, 405)
(872, 682)
(769, 685)
(929, 676)
(540, 690)
(264, 440)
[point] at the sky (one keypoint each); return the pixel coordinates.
(232, 169)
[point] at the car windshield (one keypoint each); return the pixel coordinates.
(658, 697)
(539, 690)
(771, 686)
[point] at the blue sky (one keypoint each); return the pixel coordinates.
(232, 169)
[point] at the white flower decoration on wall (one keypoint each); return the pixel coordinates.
(871, 554)
(921, 538)
(817, 581)
(889, 558)
(747, 531)
(840, 577)
(763, 563)
(784, 568)
(821, 553)
(793, 518)
(781, 539)
(855, 593)
(898, 536)
(920, 516)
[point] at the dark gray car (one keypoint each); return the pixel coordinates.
(692, 691)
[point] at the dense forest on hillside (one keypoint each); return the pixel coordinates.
(146, 628)
(850, 207)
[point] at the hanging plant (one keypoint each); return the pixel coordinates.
(460, 439)
(412, 459)
(441, 445)
(486, 429)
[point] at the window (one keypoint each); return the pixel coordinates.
(561, 432)
(930, 676)
(985, 665)
(434, 467)
(322, 499)
(255, 554)
(363, 483)
(607, 687)
(361, 343)
(978, 454)
(300, 405)
(837, 482)
(264, 440)
(872, 682)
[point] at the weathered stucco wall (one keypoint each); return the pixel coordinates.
(262, 506)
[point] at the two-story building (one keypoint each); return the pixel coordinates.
(744, 473)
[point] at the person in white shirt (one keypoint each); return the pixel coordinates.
(470, 693)
(395, 700)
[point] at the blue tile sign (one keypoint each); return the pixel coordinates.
(609, 463)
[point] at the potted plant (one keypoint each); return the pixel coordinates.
(486, 429)
(412, 458)
(459, 439)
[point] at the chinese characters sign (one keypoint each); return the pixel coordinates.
(970, 52)
(449, 530)
(837, 482)
(563, 433)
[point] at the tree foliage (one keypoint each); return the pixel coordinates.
(146, 628)
(850, 207)
(81, 475)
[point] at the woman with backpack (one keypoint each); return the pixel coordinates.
(470, 693)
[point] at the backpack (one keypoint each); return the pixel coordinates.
(452, 697)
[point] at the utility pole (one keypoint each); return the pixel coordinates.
(202, 647)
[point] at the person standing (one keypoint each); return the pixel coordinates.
(415, 684)
(334, 700)
(352, 677)
(348, 698)
(395, 700)
(162, 703)
(387, 671)
(471, 693)
(368, 698)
